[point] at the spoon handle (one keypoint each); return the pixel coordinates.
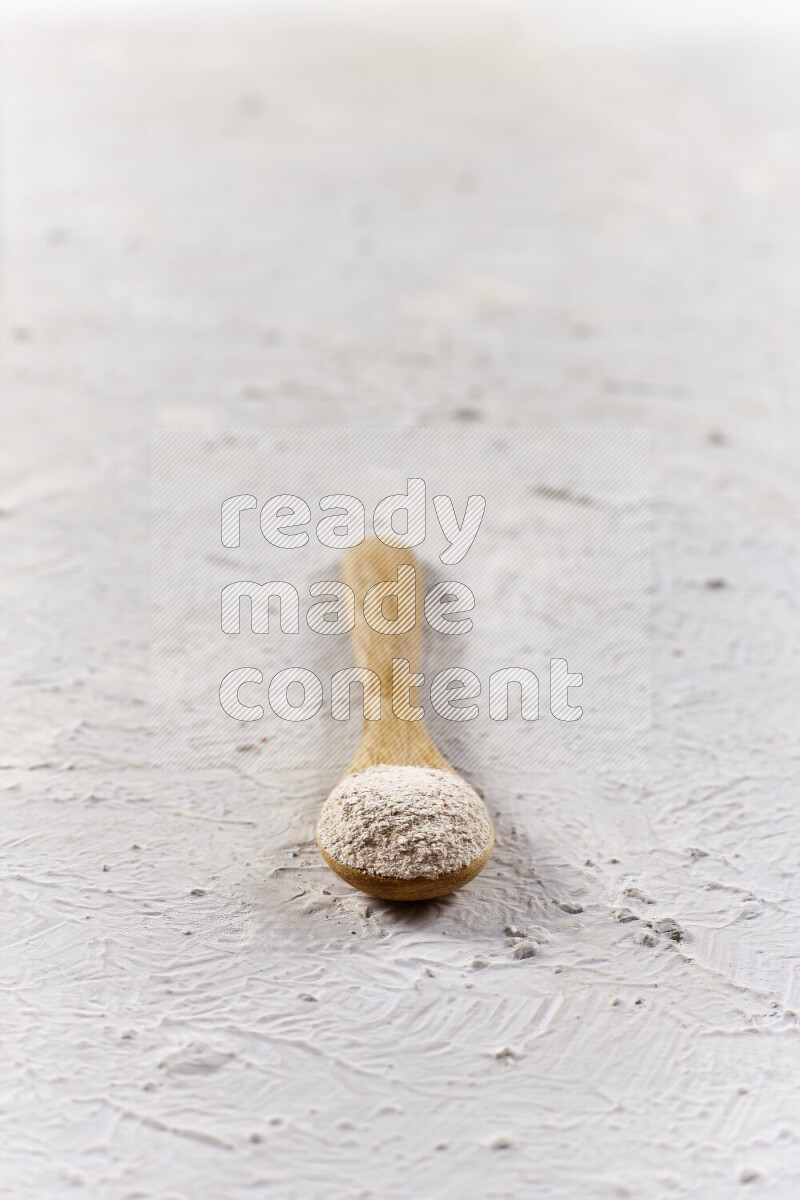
(399, 737)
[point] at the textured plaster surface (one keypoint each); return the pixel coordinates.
(424, 215)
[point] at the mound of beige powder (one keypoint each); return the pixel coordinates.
(404, 822)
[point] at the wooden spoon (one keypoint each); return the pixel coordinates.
(391, 740)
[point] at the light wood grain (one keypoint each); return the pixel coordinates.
(392, 740)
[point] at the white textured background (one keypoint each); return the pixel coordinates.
(514, 214)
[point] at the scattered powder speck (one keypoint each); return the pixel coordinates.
(404, 822)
